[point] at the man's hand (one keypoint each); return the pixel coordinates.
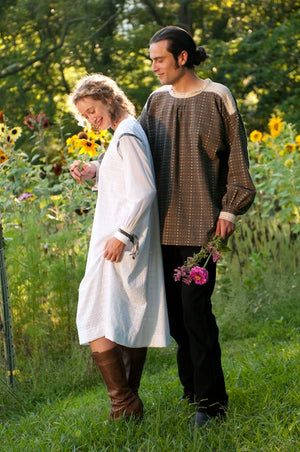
(82, 171)
(113, 249)
(224, 228)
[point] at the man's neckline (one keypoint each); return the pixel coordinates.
(174, 93)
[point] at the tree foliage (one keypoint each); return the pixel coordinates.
(46, 46)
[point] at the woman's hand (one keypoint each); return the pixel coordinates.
(113, 249)
(82, 171)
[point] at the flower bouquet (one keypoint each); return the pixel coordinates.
(192, 271)
(90, 144)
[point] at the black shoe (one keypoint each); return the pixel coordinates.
(200, 419)
(188, 397)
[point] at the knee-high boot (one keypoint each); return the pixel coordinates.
(134, 360)
(122, 399)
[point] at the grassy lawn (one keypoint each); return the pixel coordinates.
(56, 405)
(262, 375)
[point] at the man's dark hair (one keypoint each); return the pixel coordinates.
(179, 40)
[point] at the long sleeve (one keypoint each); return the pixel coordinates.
(234, 163)
(140, 188)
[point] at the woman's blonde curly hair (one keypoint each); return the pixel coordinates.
(103, 88)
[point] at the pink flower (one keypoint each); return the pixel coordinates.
(182, 273)
(216, 256)
(42, 119)
(191, 270)
(24, 196)
(30, 121)
(199, 275)
(187, 279)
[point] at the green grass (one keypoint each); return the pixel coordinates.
(262, 375)
(56, 405)
(263, 385)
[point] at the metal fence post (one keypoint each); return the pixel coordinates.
(9, 352)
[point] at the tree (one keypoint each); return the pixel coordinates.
(46, 46)
(263, 69)
(55, 43)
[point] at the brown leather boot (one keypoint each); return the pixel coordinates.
(124, 403)
(134, 360)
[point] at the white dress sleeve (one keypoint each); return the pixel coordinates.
(139, 182)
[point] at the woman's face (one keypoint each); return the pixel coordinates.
(95, 111)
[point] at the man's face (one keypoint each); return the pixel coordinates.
(164, 65)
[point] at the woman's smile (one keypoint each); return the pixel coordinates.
(95, 111)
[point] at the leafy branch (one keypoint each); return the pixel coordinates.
(18, 67)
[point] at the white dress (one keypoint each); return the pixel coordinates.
(125, 301)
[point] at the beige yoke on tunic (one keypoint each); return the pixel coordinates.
(125, 301)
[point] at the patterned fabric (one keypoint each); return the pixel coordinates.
(199, 147)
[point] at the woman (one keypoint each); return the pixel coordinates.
(121, 308)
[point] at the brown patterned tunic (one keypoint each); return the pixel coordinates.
(199, 147)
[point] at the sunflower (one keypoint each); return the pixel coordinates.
(255, 136)
(88, 147)
(88, 142)
(3, 157)
(2, 129)
(288, 162)
(15, 133)
(71, 145)
(289, 147)
(92, 135)
(275, 125)
(9, 140)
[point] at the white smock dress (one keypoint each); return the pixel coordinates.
(125, 301)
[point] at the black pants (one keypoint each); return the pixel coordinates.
(194, 328)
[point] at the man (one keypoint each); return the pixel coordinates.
(199, 148)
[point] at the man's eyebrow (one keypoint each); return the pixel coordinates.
(157, 57)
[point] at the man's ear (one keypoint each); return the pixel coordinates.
(182, 58)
